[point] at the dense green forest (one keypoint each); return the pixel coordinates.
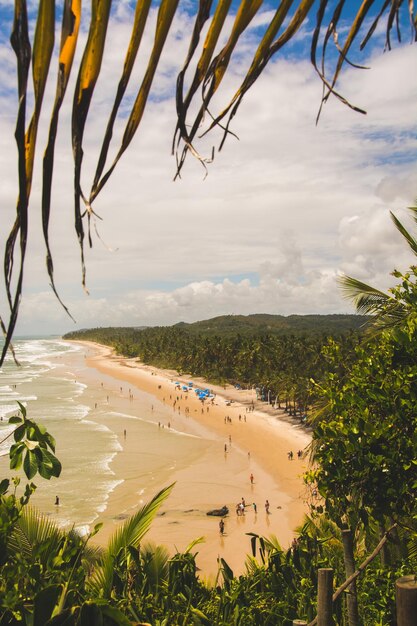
(262, 323)
(279, 355)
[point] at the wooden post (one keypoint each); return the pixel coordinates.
(351, 597)
(324, 597)
(406, 600)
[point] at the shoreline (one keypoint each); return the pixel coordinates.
(234, 443)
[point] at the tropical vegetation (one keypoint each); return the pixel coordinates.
(276, 355)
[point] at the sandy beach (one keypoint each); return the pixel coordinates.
(229, 439)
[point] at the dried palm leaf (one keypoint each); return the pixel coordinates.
(166, 14)
(264, 52)
(181, 133)
(26, 140)
(84, 89)
(69, 34)
(216, 71)
(141, 15)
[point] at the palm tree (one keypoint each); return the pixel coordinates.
(212, 62)
(392, 309)
(126, 537)
(48, 568)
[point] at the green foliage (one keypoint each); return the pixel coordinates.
(121, 553)
(369, 421)
(30, 449)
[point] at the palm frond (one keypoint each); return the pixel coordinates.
(155, 563)
(33, 530)
(407, 236)
(129, 533)
(71, 18)
(367, 299)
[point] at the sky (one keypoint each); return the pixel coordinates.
(284, 209)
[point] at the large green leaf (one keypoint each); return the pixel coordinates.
(44, 604)
(130, 533)
(33, 530)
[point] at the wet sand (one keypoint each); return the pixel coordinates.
(228, 449)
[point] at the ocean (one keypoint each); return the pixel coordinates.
(89, 415)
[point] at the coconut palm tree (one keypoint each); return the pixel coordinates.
(390, 310)
(224, 26)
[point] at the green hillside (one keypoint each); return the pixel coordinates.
(278, 324)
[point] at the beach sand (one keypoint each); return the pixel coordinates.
(258, 443)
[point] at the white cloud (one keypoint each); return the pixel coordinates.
(281, 213)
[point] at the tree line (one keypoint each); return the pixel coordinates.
(279, 366)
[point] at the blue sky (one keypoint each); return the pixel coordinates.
(282, 212)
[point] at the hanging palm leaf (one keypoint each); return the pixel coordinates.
(69, 35)
(26, 140)
(84, 89)
(141, 14)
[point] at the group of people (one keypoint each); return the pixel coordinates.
(241, 506)
(290, 454)
(240, 510)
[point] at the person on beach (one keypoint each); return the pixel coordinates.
(221, 526)
(225, 448)
(255, 508)
(251, 479)
(267, 507)
(56, 500)
(243, 502)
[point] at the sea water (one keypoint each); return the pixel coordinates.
(53, 397)
(77, 408)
